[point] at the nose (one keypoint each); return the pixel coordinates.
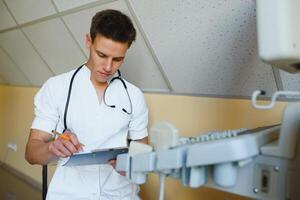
(108, 65)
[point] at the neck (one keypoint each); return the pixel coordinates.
(98, 85)
(89, 65)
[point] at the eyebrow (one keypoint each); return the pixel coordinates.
(99, 52)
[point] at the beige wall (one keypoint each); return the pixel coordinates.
(1, 124)
(191, 115)
(17, 113)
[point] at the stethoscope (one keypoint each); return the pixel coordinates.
(104, 100)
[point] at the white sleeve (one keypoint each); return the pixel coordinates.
(46, 111)
(139, 121)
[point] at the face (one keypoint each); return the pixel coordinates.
(106, 57)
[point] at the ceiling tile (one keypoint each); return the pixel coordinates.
(23, 54)
(206, 47)
(139, 67)
(290, 81)
(65, 5)
(6, 21)
(28, 10)
(55, 45)
(10, 71)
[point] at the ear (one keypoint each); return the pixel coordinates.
(88, 41)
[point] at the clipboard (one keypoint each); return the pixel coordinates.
(100, 156)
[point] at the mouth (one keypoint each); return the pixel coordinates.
(106, 75)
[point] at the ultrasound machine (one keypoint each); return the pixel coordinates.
(260, 163)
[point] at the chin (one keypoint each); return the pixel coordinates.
(101, 80)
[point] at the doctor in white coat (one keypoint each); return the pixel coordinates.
(103, 111)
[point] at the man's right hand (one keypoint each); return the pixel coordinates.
(62, 147)
(41, 150)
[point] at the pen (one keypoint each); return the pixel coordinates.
(63, 136)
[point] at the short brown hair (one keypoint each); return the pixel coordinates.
(114, 25)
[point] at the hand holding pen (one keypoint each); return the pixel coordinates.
(65, 144)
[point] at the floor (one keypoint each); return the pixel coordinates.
(13, 188)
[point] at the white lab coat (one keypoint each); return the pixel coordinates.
(97, 126)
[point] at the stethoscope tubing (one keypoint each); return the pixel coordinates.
(111, 106)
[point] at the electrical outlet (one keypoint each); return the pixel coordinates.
(12, 146)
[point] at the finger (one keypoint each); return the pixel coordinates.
(54, 151)
(74, 140)
(70, 146)
(58, 153)
(112, 163)
(122, 173)
(53, 148)
(61, 147)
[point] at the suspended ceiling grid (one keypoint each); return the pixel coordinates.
(190, 47)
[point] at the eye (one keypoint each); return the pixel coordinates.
(101, 55)
(118, 59)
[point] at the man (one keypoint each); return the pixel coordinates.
(102, 112)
